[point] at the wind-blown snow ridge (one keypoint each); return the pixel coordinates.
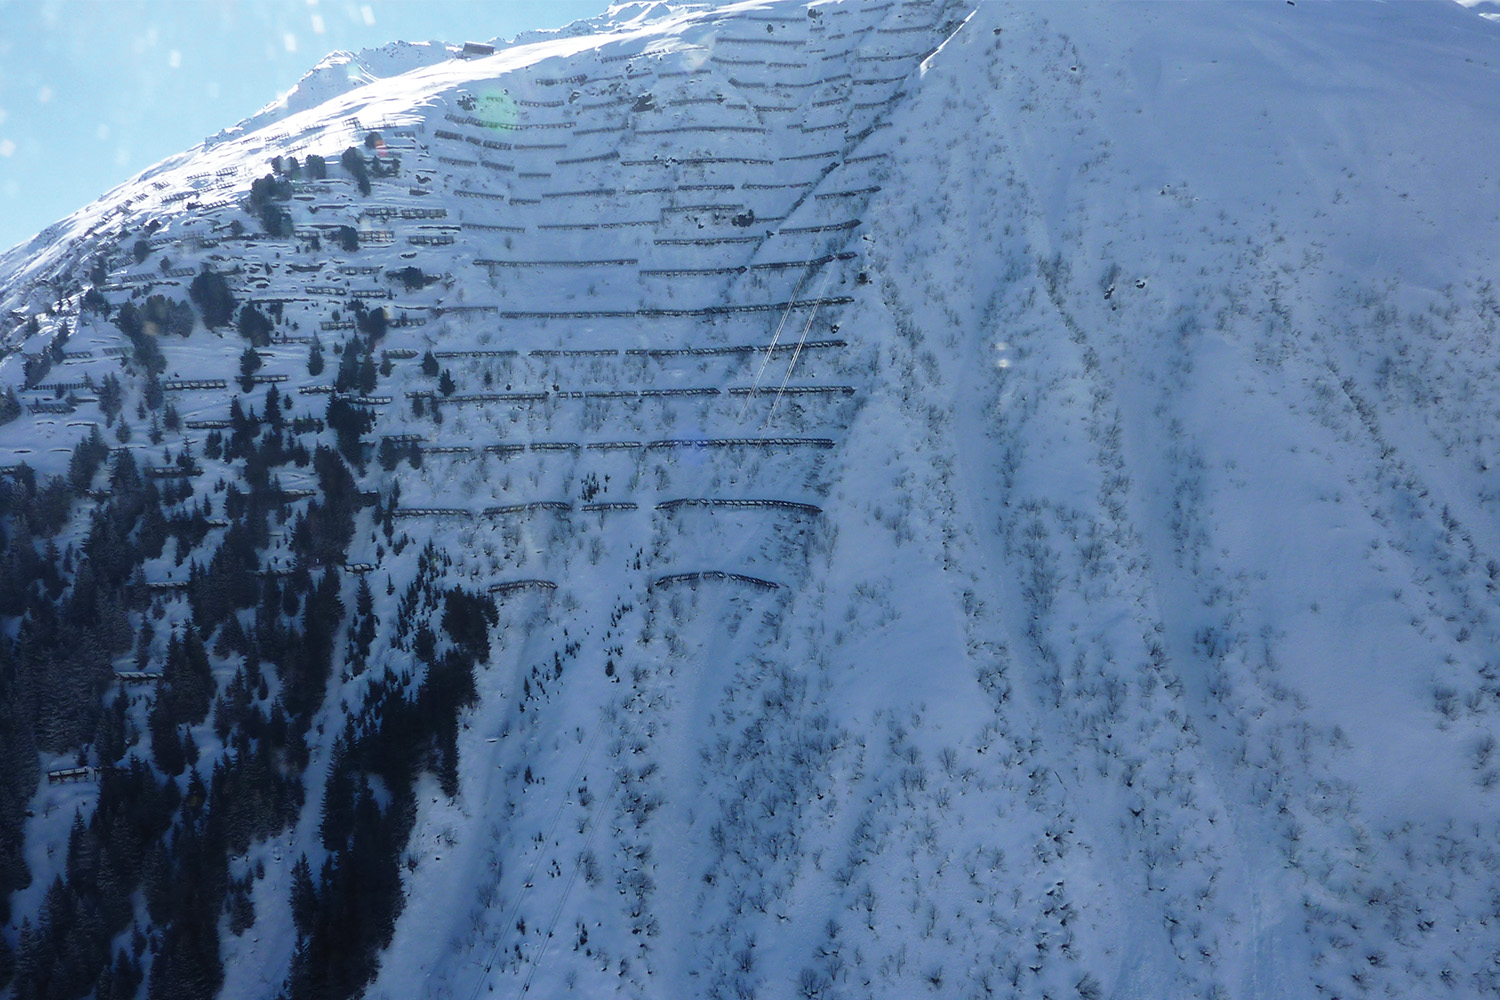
(980, 500)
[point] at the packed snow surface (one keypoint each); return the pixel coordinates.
(1124, 376)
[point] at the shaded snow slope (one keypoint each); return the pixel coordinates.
(1122, 379)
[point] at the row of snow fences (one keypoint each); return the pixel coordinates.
(700, 161)
(490, 227)
(478, 397)
(831, 227)
(432, 512)
(714, 574)
(854, 193)
(790, 505)
(908, 30)
(590, 226)
(71, 774)
(636, 393)
(664, 313)
(677, 352)
(771, 442)
(719, 60)
(791, 390)
(508, 450)
(720, 207)
(137, 677)
(512, 586)
(755, 40)
(628, 394)
(563, 81)
(395, 212)
(705, 241)
(606, 192)
(573, 352)
(526, 508)
(619, 262)
(690, 129)
(563, 506)
(473, 122)
(601, 129)
(613, 154)
(338, 291)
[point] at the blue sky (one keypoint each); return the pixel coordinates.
(94, 91)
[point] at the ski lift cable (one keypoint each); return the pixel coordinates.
(541, 950)
(776, 338)
(781, 390)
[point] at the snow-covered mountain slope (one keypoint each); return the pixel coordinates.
(977, 500)
(340, 72)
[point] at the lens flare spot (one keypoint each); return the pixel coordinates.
(317, 24)
(7, 148)
(102, 132)
(44, 96)
(498, 109)
(289, 40)
(368, 14)
(174, 59)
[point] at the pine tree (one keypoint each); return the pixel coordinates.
(304, 896)
(210, 293)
